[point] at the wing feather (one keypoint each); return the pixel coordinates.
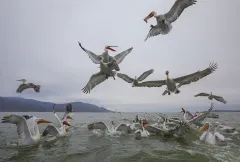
(51, 130)
(153, 129)
(94, 81)
(201, 94)
(145, 75)
(95, 58)
(194, 77)
(119, 57)
(124, 128)
(125, 77)
(22, 87)
(156, 83)
(177, 9)
(220, 99)
(154, 31)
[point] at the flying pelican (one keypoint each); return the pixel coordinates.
(106, 58)
(171, 83)
(25, 85)
(211, 135)
(52, 130)
(27, 128)
(102, 126)
(136, 80)
(164, 22)
(211, 96)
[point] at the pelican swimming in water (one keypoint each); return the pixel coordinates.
(27, 127)
(164, 22)
(106, 58)
(211, 96)
(68, 115)
(141, 132)
(53, 130)
(25, 85)
(102, 126)
(171, 83)
(136, 80)
(211, 135)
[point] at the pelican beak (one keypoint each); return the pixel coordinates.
(109, 48)
(69, 117)
(42, 121)
(183, 110)
(66, 123)
(5, 119)
(204, 128)
(148, 17)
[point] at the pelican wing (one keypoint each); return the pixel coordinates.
(125, 77)
(153, 129)
(219, 136)
(201, 94)
(197, 75)
(94, 81)
(124, 128)
(202, 116)
(177, 9)
(51, 130)
(22, 87)
(119, 57)
(95, 58)
(156, 83)
(154, 31)
(21, 123)
(98, 125)
(189, 115)
(145, 75)
(220, 99)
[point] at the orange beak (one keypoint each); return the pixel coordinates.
(66, 123)
(148, 17)
(41, 121)
(204, 128)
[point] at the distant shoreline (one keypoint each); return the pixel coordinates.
(226, 111)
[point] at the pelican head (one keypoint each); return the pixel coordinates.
(109, 48)
(205, 127)
(66, 123)
(183, 110)
(153, 13)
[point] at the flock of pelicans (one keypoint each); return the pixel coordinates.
(27, 126)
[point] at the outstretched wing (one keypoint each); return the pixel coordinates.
(94, 81)
(154, 31)
(202, 116)
(21, 123)
(156, 83)
(98, 125)
(153, 129)
(95, 58)
(220, 99)
(22, 87)
(51, 130)
(119, 57)
(125, 77)
(201, 94)
(124, 128)
(145, 75)
(197, 75)
(177, 9)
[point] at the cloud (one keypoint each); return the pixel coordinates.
(39, 42)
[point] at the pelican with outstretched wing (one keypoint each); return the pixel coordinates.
(187, 79)
(27, 127)
(136, 80)
(164, 22)
(211, 96)
(25, 86)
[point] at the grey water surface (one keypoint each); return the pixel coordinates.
(82, 145)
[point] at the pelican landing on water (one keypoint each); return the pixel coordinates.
(136, 80)
(25, 85)
(164, 22)
(211, 96)
(187, 79)
(27, 127)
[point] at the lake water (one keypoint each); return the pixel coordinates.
(82, 145)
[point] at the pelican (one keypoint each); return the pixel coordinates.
(106, 58)
(171, 83)
(67, 115)
(136, 80)
(102, 126)
(25, 85)
(211, 135)
(52, 130)
(141, 132)
(211, 96)
(164, 22)
(27, 128)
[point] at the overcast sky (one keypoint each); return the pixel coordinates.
(39, 42)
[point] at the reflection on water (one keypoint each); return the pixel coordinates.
(83, 145)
